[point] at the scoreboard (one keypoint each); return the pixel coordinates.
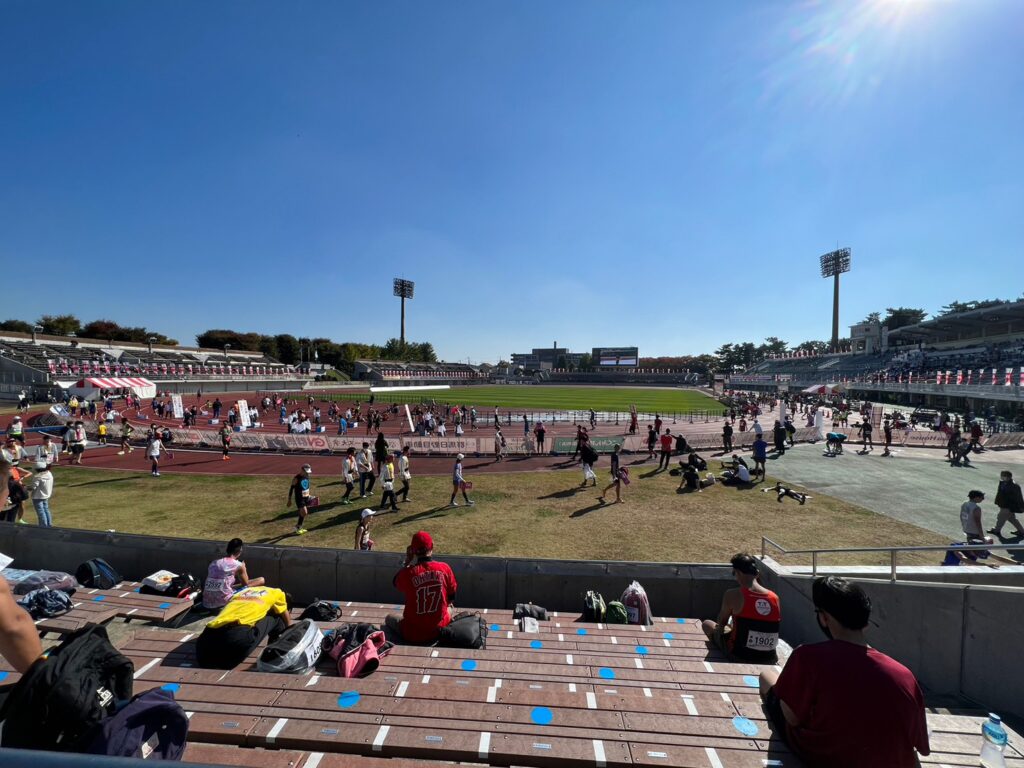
(617, 357)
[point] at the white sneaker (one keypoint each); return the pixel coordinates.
(454, 504)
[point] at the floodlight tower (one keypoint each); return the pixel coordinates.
(833, 264)
(403, 290)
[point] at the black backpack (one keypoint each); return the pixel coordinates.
(466, 630)
(530, 610)
(321, 610)
(179, 587)
(593, 607)
(60, 702)
(97, 574)
(588, 454)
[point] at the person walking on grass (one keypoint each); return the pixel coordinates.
(459, 483)
(41, 487)
(617, 477)
(153, 449)
(78, 441)
(667, 442)
(299, 489)
(126, 436)
(539, 431)
(727, 437)
(348, 474)
(363, 541)
(364, 462)
(588, 457)
(404, 473)
(387, 483)
(652, 440)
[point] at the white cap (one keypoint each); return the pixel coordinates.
(307, 469)
(367, 513)
(460, 456)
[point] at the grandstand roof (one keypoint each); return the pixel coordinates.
(974, 320)
(82, 341)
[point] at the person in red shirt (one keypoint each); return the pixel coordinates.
(666, 441)
(841, 703)
(753, 635)
(429, 588)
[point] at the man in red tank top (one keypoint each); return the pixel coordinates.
(753, 633)
(429, 588)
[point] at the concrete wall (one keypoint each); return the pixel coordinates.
(484, 582)
(956, 638)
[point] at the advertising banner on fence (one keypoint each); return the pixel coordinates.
(176, 407)
(599, 444)
(243, 413)
(450, 445)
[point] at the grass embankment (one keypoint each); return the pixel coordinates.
(542, 396)
(540, 514)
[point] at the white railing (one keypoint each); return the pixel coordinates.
(767, 543)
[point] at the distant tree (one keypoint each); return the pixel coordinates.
(60, 325)
(874, 317)
(773, 345)
(287, 348)
(814, 347)
(586, 362)
(955, 307)
(19, 326)
(427, 353)
(899, 317)
(102, 329)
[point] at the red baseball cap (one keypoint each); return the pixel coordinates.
(421, 542)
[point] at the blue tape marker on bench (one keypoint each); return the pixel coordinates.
(536, 644)
(751, 680)
(541, 715)
(162, 606)
(607, 673)
(172, 687)
(137, 589)
(581, 631)
(680, 621)
(348, 699)
(642, 650)
(667, 635)
(99, 599)
(495, 627)
(469, 665)
(3, 676)
(744, 726)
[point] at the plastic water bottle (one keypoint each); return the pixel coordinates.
(993, 742)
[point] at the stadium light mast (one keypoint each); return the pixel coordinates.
(403, 290)
(833, 264)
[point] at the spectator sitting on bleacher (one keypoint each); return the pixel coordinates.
(841, 702)
(250, 615)
(225, 576)
(429, 588)
(19, 641)
(754, 612)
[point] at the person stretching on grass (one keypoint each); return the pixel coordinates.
(459, 483)
(616, 482)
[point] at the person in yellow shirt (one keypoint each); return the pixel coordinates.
(102, 430)
(251, 614)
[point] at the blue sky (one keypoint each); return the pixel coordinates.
(662, 174)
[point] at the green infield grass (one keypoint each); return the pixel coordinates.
(538, 514)
(560, 398)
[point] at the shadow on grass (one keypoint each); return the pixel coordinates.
(591, 508)
(101, 482)
(568, 493)
(434, 513)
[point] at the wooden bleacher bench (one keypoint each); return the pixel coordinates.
(83, 614)
(128, 603)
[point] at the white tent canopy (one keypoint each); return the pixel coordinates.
(825, 389)
(138, 386)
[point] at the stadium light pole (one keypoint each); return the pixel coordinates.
(833, 264)
(403, 289)
(226, 348)
(151, 339)
(36, 329)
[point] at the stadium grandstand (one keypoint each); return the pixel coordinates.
(967, 360)
(398, 372)
(46, 364)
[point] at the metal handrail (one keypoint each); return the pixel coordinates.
(893, 551)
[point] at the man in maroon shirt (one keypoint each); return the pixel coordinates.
(841, 703)
(429, 588)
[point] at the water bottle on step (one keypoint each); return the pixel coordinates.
(993, 742)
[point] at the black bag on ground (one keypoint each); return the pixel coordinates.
(60, 702)
(46, 603)
(97, 574)
(46, 580)
(179, 587)
(466, 630)
(151, 726)
(321, 610)
(529, 610)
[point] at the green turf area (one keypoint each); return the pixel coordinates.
(562, 398)
(538, 514)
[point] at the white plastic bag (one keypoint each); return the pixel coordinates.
(638, 609)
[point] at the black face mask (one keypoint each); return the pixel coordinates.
(823, 627)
